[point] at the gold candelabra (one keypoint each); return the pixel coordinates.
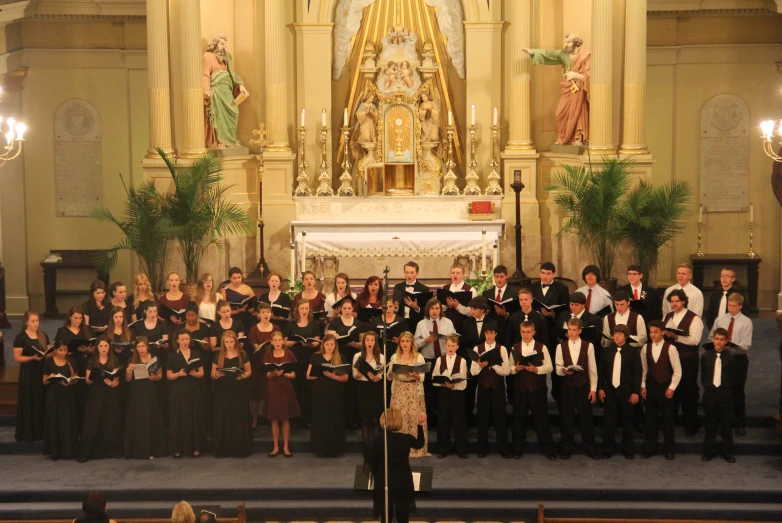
(699, 254)
(303, 189)
(472, 188)
(449, 187)
(346, 189)
(14, 139)
(494, 187)
(751, 252)
(324, 189)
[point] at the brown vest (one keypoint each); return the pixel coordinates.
(577, 379)
(489, 379)
(661, 370)
(686, 352)
(527, 381)
(632, 323)
(457, 364)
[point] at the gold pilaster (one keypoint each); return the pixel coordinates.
(634, 110)
(158, 78)
(276, 75)
(193, 139)
(601, 94)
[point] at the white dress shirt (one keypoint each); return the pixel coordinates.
(459, 287)
(449, 362)
(424, 330)
(528, 349)
(600, 298)
(622, 319)
(696, 328)
(742, 331)
(673, 355)
(502, 290)
(502, 370)
(356, 356)
(575, 352)
(409, 287)
(694, 299)
(577, 316)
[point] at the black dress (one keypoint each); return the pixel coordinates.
(284, 301)
(232, 435)
(303, 355)
(186, 424)
(101, 435)
(400, 476)
(79, 362)
(61, 436)
(98, 317)
(351, 387)
(328, 417)
(144, 437)
(156, 333)
(203, 333)
(218, 330)
(31, 395)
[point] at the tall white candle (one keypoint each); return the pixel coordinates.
(700, 214)
(303, 251)
(303, 111)
(450, 118)
(472, 117)
(323, 118)
(496, 117)
(483, 252)
(345, 118)
(752, 213)
(496, 253)
(293, 264)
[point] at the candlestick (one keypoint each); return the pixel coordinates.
(496, 120)
(472, 119)
(450, 118)
(751, 252)
(483, 252)
(472, 188)
(699, 254)
(345, 118)
(303, 251)
(496, 253)
(751, 213)
(346, 189)
(293, 265)
(449, 186)
(303, 187)
(323, 118)
(303, 112)
(324, 189)
(700, 214)
(494, 188)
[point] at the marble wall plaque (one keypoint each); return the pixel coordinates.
(724, 180)
(78, 169)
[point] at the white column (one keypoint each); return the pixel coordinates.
(276, 75)
(601, 97)
(158, 78)
(634, 111)
(193, 140)
(520, 36)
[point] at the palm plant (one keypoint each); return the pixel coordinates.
(197, 212)
(144, 232)
(591, 202)
(653, 217)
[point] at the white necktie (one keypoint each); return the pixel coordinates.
(616, 379)
(723, 304)
(718, 371)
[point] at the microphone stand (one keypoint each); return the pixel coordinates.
(385, 391)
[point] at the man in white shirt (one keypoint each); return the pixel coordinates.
(579, 390)
(598, 300)
(450, 399)
(660, 376)
(431, 345)
(624, 316)
(739, 329)
(687, 344)
(694, 295)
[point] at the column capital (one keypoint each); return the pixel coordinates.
(487, 26)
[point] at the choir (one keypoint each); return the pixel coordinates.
(142, 376)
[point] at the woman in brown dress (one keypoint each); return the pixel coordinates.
(259, 334)
(280, 405)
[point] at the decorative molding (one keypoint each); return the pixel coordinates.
(709, 5)
(99, 8)
(711, 12)
(81, 58)
(77, 17)
(717, 53)
(12, 11)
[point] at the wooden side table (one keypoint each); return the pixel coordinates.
(70, 260)
(699, 264)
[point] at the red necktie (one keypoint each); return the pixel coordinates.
(730, 329)
(589, 300)
(499, 295)
(635, 294)
(436, 342)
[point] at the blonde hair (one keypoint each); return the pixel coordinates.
(413, 348)
(141, 278)
(391, 419)
(223, 351)
(201, 293)
(336, 358)
(182, 513)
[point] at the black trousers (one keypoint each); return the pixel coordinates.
(617, 405)
(451, 415)
(659, 410)
(739, 383)
(537, 402)
(687, 393)
(430, 395)
(718, 408)
(556, 379)
(576, 398)
(491, 404)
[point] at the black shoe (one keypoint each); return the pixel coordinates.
(741, 431)
(647, 455)
(288, 455)
(691, 431)
(730, 459)
(670, 456)
(629, 456)
(593, 455)
(517, 455)
(463, 455)
(606, 455)
(551, 457)
(505, 455)
(564, 456)
(707, 457)
(441, 455)
(481, 454)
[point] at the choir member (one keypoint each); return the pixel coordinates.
(74, 328)
(183, 371)
(173, 300)
(500, 293)
(472, 335)
(370, 389)
(372, 293)
(142, 293)
(684, 283)
(531, 392)
(345, 328)
(555, 294)
(647, 298)
(739, 334)
(718, 300)
(408, 308)
(29, 348)
(450, 399)
(118, 293)
(620, 389)
(280, 404)
(237, 291)
(400, 445)
(456, 312)
(231, 434)
(579, 389)
(717, 373)
(687, 345)
(61, 435)
(590, 323)
(526, 313)
(395, 322)
(491, 392)
(200, 339)
(259, 334)
(661, 374)
(341, 290)
(598, 300)
(101, 434)
(279, 301)
(143, 421)
(303, 336)
(96, 309)
(206, 298)
(328, 402)
(155, 332)
(407, 390)
(431, 345)
(225, 322)
(316, 298)
(624, 316)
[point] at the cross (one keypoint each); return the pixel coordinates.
(263, 134)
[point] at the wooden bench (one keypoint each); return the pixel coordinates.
(543, 519)
(241, 517)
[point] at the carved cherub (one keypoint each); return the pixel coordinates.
(392, 70)
(406, 74)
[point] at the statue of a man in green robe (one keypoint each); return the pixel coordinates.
(223, 92)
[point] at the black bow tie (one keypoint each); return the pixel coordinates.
(545, 285)
(478, 321)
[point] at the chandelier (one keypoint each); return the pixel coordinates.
(767, 127)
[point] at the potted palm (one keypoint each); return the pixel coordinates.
(144, 232)
(591, 202)
(197, 211)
